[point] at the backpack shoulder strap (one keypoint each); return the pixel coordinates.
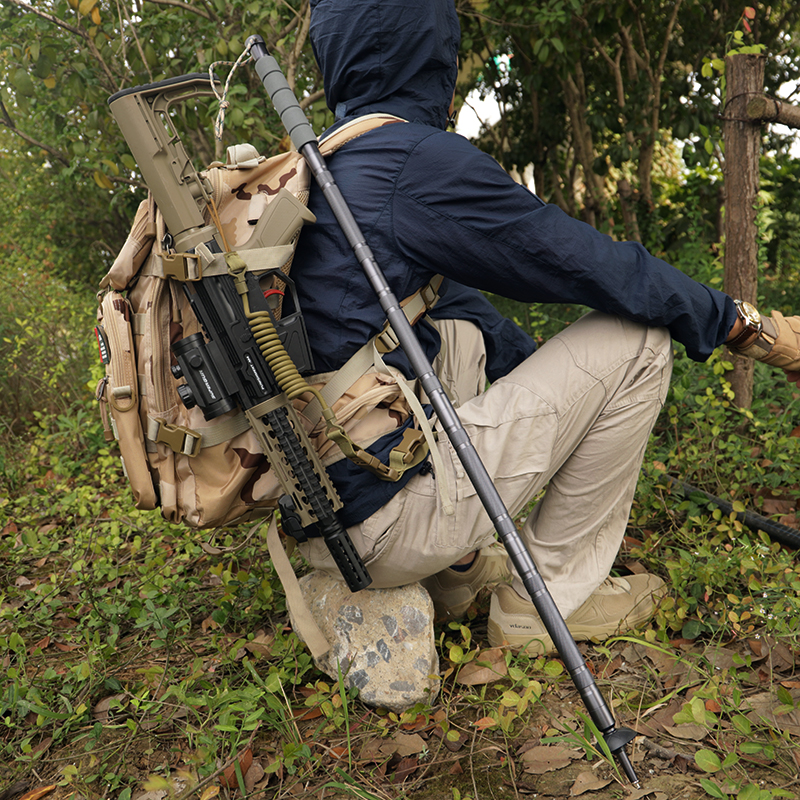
(353, 129)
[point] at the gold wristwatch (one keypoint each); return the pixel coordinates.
(753, 325)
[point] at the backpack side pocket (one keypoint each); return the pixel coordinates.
(122, 394)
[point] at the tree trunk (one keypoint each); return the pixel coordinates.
(745, 78)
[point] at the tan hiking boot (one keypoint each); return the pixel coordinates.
(453, 591)
(616, 606)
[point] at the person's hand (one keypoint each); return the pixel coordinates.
(778, 343)
(793, 376)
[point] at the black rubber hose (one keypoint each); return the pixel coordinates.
(777, 532)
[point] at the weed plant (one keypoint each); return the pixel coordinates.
(139, 653)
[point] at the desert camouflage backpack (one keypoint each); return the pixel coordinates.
(209, 473)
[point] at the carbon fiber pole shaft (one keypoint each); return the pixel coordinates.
(777, 531)
(306, 142)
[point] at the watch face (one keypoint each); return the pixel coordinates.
(750, 313)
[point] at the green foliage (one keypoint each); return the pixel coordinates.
(45, 342)
(63, 162)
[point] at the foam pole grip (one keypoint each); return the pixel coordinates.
(283, 98)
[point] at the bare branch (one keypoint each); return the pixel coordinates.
(7, 122)
(49, 17)
(767, 109)
(299, 41)
(122, 9)
(305, 102)
(184, 7)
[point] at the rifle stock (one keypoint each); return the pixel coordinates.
(226, 368)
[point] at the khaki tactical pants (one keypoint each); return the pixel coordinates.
(575, 417)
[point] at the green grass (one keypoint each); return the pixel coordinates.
(136, 657)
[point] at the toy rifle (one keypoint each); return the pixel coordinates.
(246, 353)
(305, 141)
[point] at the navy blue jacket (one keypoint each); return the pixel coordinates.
(430, 202)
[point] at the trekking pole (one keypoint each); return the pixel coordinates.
(305, 141)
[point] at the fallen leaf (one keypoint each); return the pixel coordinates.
(307, 713)
(694, 733)
(588, 782)
(101, 711)
(484, 722)
(651, 794)
(767, 708)
(404, 744)
(22, 582)
(488, 665)
(542, 758)
(42, 746)
(253, 776)
(416, 724)
(610, 667)
(210, 792)
(261, 645)
(228, 779)
(407, 766)
(37, 793)
(775, 506)
(42, 644)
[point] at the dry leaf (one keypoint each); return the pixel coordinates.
(407, 766)
(651, 794)
(774, 505)
(588, 782)
(694, 733)
(253, 776)
(404, 744)
(485, 722)
(767, 708)
(307, 713)
(228, 778)
(101, 711)
(210, 792)
(541, 759)
(261, 645)
(37, 793)
(42, 746)
(488, 665)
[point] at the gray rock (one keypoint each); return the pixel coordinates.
(381, 639)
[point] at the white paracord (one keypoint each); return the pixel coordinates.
(219, 122)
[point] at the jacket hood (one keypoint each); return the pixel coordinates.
(391, 56)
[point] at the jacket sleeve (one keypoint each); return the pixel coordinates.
(457, 212)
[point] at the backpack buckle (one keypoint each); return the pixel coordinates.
(182, 267)
(177, 438)
(386, 341)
